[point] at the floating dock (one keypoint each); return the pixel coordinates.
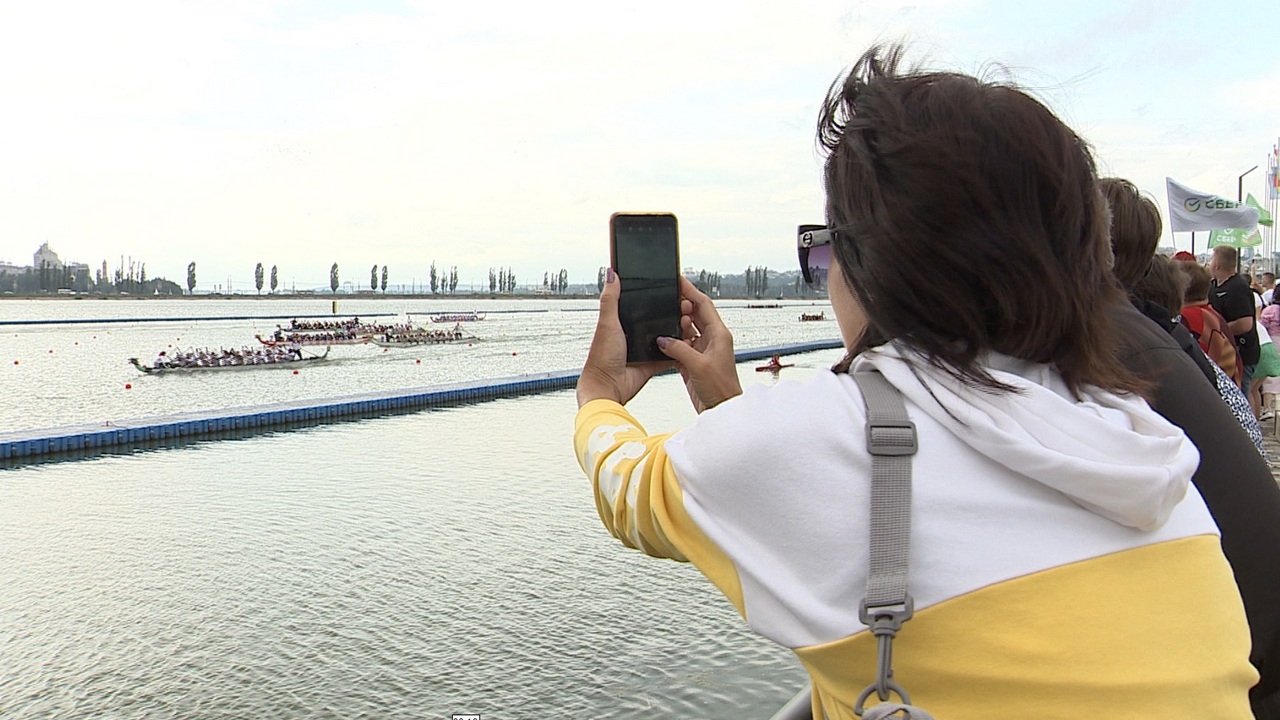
(77, 441)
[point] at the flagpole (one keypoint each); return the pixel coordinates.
(1240, 199)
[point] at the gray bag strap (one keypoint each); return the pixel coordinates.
(891, 440)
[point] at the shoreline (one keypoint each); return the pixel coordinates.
(388, 296)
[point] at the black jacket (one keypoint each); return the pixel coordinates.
(1236, 484)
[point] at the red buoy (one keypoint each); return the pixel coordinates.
(295, 372)
(15, 362)
(418, 361)
(128, 386)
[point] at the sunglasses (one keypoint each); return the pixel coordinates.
(813, 242)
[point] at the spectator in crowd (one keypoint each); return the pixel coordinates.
(1230, 295)
(767, 493)
(1267, 282)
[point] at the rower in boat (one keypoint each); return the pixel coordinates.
(774, 365)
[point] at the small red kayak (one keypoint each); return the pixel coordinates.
(774, 365)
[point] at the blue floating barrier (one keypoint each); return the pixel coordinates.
(297, 413)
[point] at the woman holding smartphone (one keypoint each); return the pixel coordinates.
(1060, 561)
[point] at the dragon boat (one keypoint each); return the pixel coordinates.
(234, 362)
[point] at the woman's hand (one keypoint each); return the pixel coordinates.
(606, 374)
(705, 355)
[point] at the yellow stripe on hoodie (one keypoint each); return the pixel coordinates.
(1084, 640)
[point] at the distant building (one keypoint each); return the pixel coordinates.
(44, 255)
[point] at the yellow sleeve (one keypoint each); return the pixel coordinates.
(626, 467)
(638, 496)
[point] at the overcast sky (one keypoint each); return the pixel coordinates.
(488, 134)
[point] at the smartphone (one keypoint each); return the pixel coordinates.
(644, 251)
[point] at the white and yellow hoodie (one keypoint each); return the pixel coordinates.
(1061, 562)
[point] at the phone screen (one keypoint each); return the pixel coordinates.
(646, 256)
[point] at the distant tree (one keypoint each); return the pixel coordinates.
(191, 275)
(493, 281)
(453, 280)
(563, 282)
(384, 278)
(373, 278)
(274, 278)
(257, 277)
(435, 278)
(333, 278)
(511, 281)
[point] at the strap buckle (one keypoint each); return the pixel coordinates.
(892, 437)
(885, 621)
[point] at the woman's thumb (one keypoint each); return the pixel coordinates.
(676, 349)
(609, 297)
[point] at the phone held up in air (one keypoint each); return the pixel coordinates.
(644, 251)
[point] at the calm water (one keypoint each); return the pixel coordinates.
(408, 566)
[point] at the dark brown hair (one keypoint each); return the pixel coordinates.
(969, 220)
(1161, 283)
(1135, 228)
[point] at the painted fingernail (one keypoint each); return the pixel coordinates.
(663, 342)
(610, 275)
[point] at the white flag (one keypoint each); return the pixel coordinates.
(1193, 210)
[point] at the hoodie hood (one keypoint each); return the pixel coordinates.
(1111, 454)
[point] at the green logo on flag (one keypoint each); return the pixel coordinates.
(1236, 237)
